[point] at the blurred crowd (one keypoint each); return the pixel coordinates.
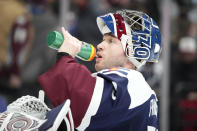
(183, 88)
(24, 54)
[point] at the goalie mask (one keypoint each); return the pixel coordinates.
(139, 34)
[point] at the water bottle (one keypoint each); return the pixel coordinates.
(55, 40)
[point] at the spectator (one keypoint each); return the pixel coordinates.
(185, 68)
(16, 34)
(15, 41)
(183, 80)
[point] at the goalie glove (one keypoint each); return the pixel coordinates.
(31, 113)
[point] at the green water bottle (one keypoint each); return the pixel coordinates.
(55, 40)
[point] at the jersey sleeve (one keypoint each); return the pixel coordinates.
(69, 80)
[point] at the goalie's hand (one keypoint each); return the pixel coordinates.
(71, 45)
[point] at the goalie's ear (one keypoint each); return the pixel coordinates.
(56, 116)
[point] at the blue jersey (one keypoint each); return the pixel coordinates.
(122, 100)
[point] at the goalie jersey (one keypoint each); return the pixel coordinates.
(113, 99)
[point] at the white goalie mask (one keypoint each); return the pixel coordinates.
(139, 34)
(29, 113)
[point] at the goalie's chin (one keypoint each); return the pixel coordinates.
(98, 66)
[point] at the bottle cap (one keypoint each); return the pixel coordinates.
(55, 39)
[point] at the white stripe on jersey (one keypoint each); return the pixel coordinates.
(138, 89)
(94, 104)
(151, 128)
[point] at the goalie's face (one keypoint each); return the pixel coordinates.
(110, 53)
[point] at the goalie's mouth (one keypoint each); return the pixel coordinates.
(98, 57)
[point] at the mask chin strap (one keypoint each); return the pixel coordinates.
(127, 45)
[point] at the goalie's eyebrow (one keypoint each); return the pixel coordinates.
(109, 34)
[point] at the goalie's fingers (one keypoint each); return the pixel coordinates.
(66, 34)
(63, 31)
